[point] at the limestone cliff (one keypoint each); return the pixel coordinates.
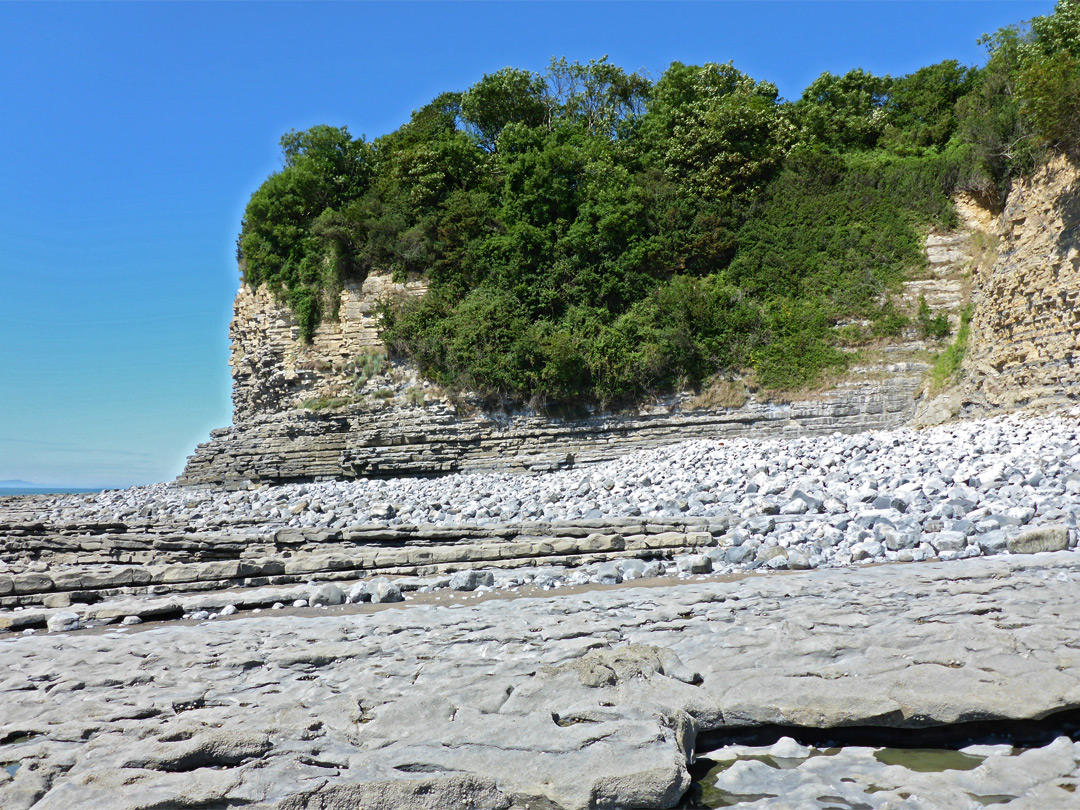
(1025, 333)
(338, 408)
(274, 371)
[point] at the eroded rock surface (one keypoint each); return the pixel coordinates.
(273, 370)
(572, 701)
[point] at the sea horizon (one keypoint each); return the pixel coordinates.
(46, 490)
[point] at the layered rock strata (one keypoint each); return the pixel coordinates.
(56, 566)
(969, 489)
(590, 700)
(1023, 350)
(1025, 335)
(273, 370)
(361, 441)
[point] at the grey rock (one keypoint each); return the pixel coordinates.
(608, 573)
(778, 562)
(796, 506)
(358, 593)
(471, 580)
(382, 511)
(889, 502)
(964, 526)
(694, 564)
(207, 750)
(326, 594)
(948, 541)
(425, 793)
(737, 554)
(866, 550)
(363, 706)
(874, 518)
(63, 622)
(653, 568)
(797, 561)
(994, 542)
(897, 539)
(630, 568)
(760, 524)
(381, 589)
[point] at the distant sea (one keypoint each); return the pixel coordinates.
(45, 490)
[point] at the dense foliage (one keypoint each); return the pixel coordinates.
(589, 234)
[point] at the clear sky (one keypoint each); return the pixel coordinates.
(132, 134)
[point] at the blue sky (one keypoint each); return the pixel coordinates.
(132, 135)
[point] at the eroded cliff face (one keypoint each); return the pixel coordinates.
(1024, 348)
(273, 371)
(395, 424)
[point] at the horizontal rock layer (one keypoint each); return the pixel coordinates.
(67, 565)
(361, 442)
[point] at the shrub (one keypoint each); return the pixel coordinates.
(323, 403)
(366, 365)
(930, 325)
(947, 364)
(797, 348)
(590, 237)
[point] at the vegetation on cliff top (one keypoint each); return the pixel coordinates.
(590, 234)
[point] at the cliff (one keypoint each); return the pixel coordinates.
(274, 371)
(1025, 333)
(338, 408)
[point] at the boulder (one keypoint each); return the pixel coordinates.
(1048, 538)
(326, 594)
(471, 580)
(63, 622)
(694, 564)
(382, 589)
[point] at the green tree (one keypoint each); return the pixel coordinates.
(719, 132)
(508, 96)
(990, 119)
(587, 235)
(323, 169)
(844, 112)
(921, 107)
(602, 97)
(1048, 80)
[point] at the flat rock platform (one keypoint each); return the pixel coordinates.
(594, 699)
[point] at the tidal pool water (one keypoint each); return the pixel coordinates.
(789, 775)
